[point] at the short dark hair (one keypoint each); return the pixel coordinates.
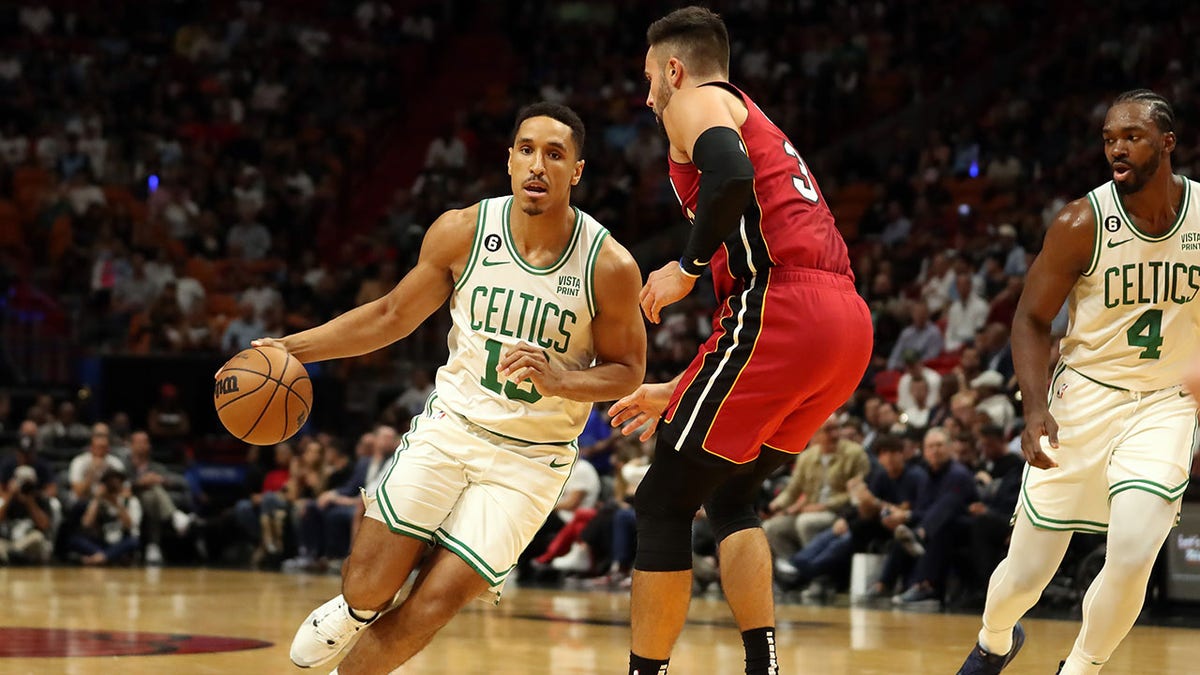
(555, 111)
(698, 33)
(887, 443)
(991, 431)
(1160, 109)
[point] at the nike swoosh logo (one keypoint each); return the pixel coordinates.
(555, 465)
(493, 263)
(1111, 243)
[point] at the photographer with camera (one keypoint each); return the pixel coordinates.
(25, 521)
(109, 522)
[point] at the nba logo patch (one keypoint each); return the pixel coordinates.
(1062, 389)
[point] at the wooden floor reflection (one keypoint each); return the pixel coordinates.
(531, 631)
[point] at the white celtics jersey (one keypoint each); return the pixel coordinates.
(1133, 322)
(501, 300)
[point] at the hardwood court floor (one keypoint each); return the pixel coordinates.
(531, 631)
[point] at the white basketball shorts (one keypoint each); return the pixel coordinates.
(479, 495)
(1110, 440)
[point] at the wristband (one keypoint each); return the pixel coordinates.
(693, 269)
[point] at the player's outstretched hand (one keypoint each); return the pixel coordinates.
(665, 286)
(269, 342)
(641, 408)
(1038, 424)
(524, 361)
(260, 342)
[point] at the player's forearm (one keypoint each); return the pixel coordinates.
(359, 331)
(1031, 359)
(603, 382)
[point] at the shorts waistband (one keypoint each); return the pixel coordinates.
(1134, 392)
(485, 434)
(813, 277)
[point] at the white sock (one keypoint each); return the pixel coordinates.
(1080, 665)
(1138, 525)
(1018, 581)
(361, 615)
(995, 641)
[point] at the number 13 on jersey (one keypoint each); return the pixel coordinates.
(507, 388)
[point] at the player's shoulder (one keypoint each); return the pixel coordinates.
(1078, 216)
(615, 260)
(457, 223)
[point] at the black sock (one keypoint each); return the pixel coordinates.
(639, 665)
(760, 651)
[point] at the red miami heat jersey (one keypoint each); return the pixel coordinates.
(787, 224)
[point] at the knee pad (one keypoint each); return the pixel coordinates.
(726, 519)
(664, 542)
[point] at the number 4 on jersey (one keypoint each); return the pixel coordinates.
(1149, 323)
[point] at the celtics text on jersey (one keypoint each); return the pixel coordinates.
(501, 300)
(1133, 321)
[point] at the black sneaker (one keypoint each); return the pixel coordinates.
(981, 662)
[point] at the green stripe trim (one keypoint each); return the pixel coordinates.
(1183, 210)
(1131, 481)
(1149, 487)
(533, 269)
(1099, 234)
(469, 556)
(1054, 523)
(1062, 367)
(475, 245)
(1092, 379)
(381, 494)
(590, 270)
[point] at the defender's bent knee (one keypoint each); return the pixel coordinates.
(729, 520)
(664, 541)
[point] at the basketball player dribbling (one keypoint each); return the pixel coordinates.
(791, 340)
(1110, 445)
(544, 322)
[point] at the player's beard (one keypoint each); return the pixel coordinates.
(1138, 175)
(661, 98)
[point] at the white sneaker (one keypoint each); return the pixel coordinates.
(325, 633)
(154, 555)
(578, 559)
(182, 522)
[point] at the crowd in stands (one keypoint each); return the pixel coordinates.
(167, 196)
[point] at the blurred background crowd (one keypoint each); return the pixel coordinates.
(178, 178)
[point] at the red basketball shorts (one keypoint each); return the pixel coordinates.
(788, 350)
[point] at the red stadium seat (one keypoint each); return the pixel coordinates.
(887, 384)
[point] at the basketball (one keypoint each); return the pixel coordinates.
(263, 395)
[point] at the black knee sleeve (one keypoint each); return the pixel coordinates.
(727, 519)
(664, 541)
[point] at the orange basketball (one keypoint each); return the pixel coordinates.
(263, 395)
